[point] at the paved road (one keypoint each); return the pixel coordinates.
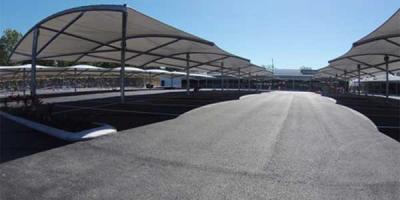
(278, 145)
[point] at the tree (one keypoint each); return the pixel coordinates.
(8, 41)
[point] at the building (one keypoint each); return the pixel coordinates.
(293, 79)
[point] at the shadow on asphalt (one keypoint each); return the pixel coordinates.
(17, 141)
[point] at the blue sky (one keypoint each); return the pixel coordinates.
(293, 32)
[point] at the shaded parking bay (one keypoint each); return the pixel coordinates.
(140, 108)
(278, 145)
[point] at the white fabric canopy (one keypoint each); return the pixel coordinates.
(388, 31)
(94, 34)
(369, 53)
(16, 72)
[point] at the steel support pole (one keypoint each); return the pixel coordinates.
(187, 74)
(248, 82)
(271, 85)
(359, 79)
(24, 80)
(33, 64)
(222, 76)
(75, 70)
(293, 84)
(239, 80)
(123, 50)
(336, 79)
(346, 88)
(150, 80)
(386, 58)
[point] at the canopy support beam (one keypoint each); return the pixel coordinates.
(187, 74)
(222, 76)
(123, 49)
(392, 42)
(75, 79)
(386, 58)
(60, 32)
(79, 37)
(248, 81)
(336, 84)
(209, 62)
(239, 79)
(152, 49)
(24, 80)
(359, 79)
(33, 64)
(366, 64)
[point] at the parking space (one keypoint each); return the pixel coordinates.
(138, 110)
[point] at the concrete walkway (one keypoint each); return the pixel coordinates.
(283, 145)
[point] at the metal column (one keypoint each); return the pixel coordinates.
(248, 81)
(386, 58)
(123, 49)
(222, 76)
(33, 64)
(187, 74)
(359, 79)
(346, 88)
(239, 80)
(293, 84)
(336, 82)
(75, 70)
(24, 80)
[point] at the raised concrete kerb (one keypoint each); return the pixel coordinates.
(104, 129)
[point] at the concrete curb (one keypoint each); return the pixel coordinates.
(104, 129)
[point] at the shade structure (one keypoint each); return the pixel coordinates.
(15, 72)
(8, 73)
(371, 57)
(388, 31)
(94, 34)
(381, 78)
(119, 34)
(245, 71)
(368, 54)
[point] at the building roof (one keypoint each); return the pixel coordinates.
(294, 72)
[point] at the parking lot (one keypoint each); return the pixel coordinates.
(287, 145)
(141, 108)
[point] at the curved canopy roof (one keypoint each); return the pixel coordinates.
(369, 52)
(95, 34)
(388, 31)
(17, 72)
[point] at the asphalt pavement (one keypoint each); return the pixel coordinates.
(277, 145)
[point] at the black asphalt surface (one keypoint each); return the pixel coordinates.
(18, 141)
(140, 108)
(278, 145)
